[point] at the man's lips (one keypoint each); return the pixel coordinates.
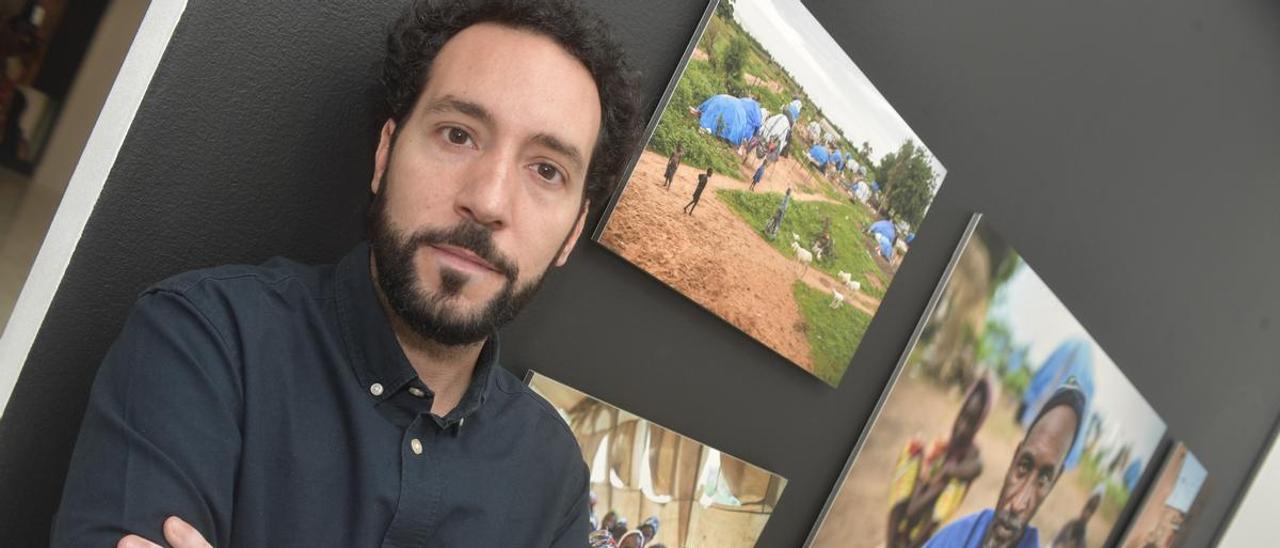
(1006, 528)
(464, 255)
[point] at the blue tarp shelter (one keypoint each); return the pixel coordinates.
(1072, 359)
(793, 110)
(884, 227)
(820, 155)
(884, 233)
(730, 118)
(754, 116)
(838, 160)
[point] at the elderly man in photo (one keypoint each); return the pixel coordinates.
(362, 403)
(1037, 465)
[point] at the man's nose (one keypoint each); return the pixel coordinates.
(1022, 500)
(487, 189)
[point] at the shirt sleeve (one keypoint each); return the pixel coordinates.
(160, 436)
(576, 524)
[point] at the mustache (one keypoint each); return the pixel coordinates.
(472, 237)
(1008, 521)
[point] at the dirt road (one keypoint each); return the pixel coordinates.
(714, 257)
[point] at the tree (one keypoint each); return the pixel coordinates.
(725, 8)
(733, 63)
(907, 182)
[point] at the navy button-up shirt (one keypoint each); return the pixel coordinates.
(273, 406)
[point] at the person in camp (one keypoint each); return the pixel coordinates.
(1038, 462)
(672, 165)
(703, 178)
(755, 179)
(928, 488)
(1072, 534)
(771, 230)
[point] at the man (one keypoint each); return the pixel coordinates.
(1073, 533)
(1037, 464)
(363, 404)
(703, 178)
(775, 222)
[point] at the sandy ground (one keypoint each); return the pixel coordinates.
(858, 517)
(714, 257)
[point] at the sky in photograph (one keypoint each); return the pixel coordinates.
(800, 44)
(1040, 321)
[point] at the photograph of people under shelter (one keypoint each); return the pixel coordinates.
(1170, 505)
(1007, 425)
(779, 189)
(653, 487)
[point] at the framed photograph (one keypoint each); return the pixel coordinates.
(1170, 505)
(652, 486)
(1005, 424)
(777, 188)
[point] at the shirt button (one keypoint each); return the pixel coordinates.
(375, 389)
(417, 391)
(416, 446)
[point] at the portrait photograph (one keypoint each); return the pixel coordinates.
(1005, 425)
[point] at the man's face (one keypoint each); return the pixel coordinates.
(480, 190)
(966, 425)
(1035, 468)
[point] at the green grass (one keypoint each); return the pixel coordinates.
(702, 150)
(834, 333)
(805, 219)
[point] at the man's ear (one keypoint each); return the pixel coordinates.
(383, 154)
(572, 240)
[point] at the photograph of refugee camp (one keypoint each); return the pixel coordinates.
(1170, 504)
(1006, 424)
(778, 190)
(652, 487)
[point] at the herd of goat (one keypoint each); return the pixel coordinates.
(806, 258)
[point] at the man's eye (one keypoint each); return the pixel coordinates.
(456, 136)
(548, 172)
(1024, 467)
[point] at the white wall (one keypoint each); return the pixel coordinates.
(81, 127)
(1255, 519)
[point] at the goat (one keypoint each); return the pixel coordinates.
(836, 299)
(804, 256)
(853, 285)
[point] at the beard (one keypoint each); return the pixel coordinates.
(1011, 522)
(435, 315)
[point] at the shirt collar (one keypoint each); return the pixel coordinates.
(376, 358)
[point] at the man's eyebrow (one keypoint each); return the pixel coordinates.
(449, 103)
(555, 143)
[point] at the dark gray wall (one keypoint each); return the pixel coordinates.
(1130, 150)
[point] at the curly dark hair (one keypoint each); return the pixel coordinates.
(418, 35)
